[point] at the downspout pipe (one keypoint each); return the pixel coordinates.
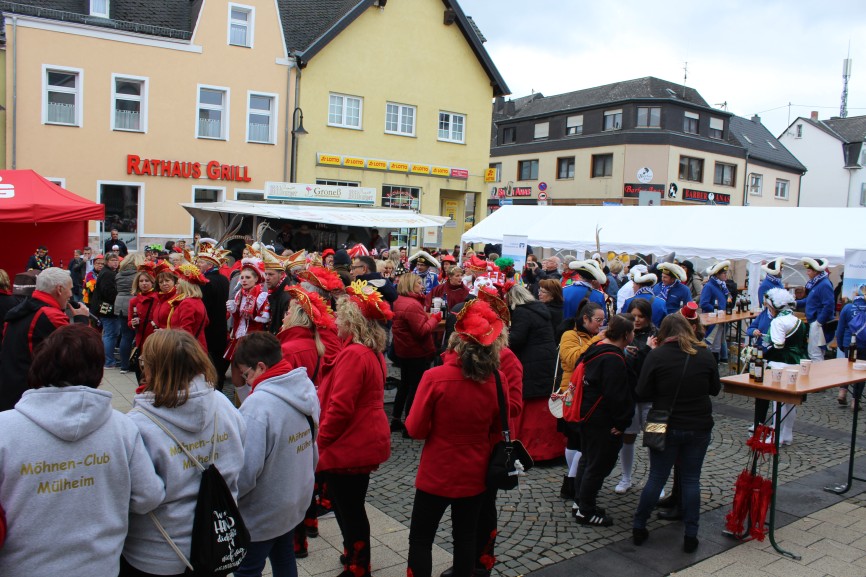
(14, 92)
(294, 171)
(287, 131)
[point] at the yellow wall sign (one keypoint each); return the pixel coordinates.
(353, 162)
(398, 166)
(420, 169)
(377, 165)
(440, 171)
(490, 175)
(332, 159)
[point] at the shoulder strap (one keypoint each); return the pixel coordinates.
(312, 424)
(503, 415)
(316, 370)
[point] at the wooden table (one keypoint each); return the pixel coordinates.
(708, 320)
(822, 376)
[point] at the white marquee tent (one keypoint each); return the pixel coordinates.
(718, 232)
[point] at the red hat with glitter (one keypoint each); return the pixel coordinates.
(319, 312)
(322, 278)
(369, 301)
(190, 273)
(479, 323)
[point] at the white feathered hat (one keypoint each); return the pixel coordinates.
(818, 264)
(774, 267)
(720, 266)
(779, 298)
(636, 270)
(645, 278)
(674, 270)
(424, 256)
(589, 266)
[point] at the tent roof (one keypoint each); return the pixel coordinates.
(34, 199)
(741, 232)
(209, 215)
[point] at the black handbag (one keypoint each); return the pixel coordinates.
(503, 471)
(655, 430)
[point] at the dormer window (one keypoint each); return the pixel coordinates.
(241, 25)
(99, 8)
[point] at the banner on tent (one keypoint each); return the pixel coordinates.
(514, 247)
(855, 271)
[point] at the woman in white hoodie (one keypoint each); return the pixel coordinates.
(72, 469)
(178, 380)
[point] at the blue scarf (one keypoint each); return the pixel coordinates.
(816, 280)
(666, 289)
(776, 281)
(722, 286)
(644, 291)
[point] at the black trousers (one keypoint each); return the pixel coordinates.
(427, 511)
(411, 371)
(127, 570)
(348, 494)
(599, 452)
(485, 534)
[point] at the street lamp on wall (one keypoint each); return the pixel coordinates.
(297, 130)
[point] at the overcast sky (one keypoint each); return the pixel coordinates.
(756, 55)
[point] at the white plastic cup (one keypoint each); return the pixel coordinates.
(805, 365)
(776, 375)
(791, 375)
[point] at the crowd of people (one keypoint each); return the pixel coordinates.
(305, 339)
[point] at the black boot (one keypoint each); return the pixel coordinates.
(672, 514)
(567, 490)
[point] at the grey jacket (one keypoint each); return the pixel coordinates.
(123, 280)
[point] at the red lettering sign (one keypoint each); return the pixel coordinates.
(704, 196)
(177, 169)
(633, 190)
(459, 173)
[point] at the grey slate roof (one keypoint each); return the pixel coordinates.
(851, 129)
(167, 18)
(757, 144)
(640, 88)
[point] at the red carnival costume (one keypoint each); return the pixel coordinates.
(249, 309)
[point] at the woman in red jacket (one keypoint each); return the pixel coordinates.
(300, 341)
(186, 312)
(353, 431)
(457, 415)
(166, 281)
(413, 342)
(142, 308)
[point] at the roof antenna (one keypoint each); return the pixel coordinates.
(685, 77)
(846, 74)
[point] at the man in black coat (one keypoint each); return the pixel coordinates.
(77, 268)
(214, 295)
(115, 240)
(276, 280)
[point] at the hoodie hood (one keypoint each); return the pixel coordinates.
(193, 416)
(294, 388)
(539, 308)
(598, 348)
(69, 413)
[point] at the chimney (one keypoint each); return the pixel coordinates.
(509, 107)
(756, 119)
(499, 104)
(814, 115)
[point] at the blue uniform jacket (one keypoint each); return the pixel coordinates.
(843, 329)
(659, 309)
(766, 285)
(677, 296)
(761, 323)
(573, 294)
(820, 303)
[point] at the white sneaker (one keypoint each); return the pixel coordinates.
(662, 494)
(752, 429)
(622, 487)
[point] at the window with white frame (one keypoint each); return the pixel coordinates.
(756, 184)
(649, 116)
(344, 111)
(542, 129)
(241, 25)
(612, 119)
(129, 109)
(213, 113)
(261, 118)
(725, 174)
(63, 95)
(204, 195)
(799, 131)
(99, 8)
(782, 189)
(574, 125)
(717, 128)
(399, 119)
(690, 122)
(451, 127)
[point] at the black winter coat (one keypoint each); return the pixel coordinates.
(214, 295)
(279, 305)
(104, 292)
(606, 375)
(531, 339)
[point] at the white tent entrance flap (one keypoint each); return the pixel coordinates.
(716, 232)
(213, 215)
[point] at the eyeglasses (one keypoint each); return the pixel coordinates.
(354, 266)
(597, 319)
(245, 375)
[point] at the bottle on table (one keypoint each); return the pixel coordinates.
(852, 349)
(760, 367)
(752, 362)
(729, 306)
(716, 308)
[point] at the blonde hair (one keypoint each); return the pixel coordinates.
(296, 316)
(518, 295)
(351, 322)
(186, 289)
(406, 283)
(615, 266)
(173, 358)
(135, 288)
(5, 284)
(131, 261)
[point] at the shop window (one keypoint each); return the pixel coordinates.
(402, 197)
(613, 119)
(565, 167)
(649, 116)
(241, 25)
(400, 119)
(129, 95)
(690, 123)
(602, 165)
(451, 127)
(203, 195)
(262, 118)
(213, 113)
(62, 96)
(527, 170)
(691, 169)
(574, 125)
(99, 8)
(121, 212)
(782, 189)
(725, 174)
(717, 127)
(324, 182)
(344, 111)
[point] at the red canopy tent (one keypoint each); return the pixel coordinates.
(35, 211)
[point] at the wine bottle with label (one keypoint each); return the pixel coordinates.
(760, 367)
